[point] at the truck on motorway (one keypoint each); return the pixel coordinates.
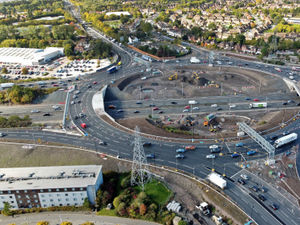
(112, 69)
(194, 60)
(217, 179)
(285, 140)
(192, 102)
(258, 105)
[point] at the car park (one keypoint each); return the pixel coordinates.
(179, 156)
(180, 150)
(210, 156)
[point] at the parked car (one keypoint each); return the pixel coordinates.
(252, 152)
(274, 206)
(254, 188)
(235, 155)
(155, 108)
(185, 110)
(147, 144)
(241, 181)
(256, 100)
(173, 103)
(95, 82)
(244, 176)
(187, 107)
(35, 111)
(102, 143)
(138, 103)
(136, 111)
(262, 197)
(240, 144)
(2, 134)
(47, 114)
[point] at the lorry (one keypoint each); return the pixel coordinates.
(258, 105)
(285, 140)
(217, 180)
(194, 60)
(203, 207)
(193, 102)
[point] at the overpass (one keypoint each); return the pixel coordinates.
(291, 85)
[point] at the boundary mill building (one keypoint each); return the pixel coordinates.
(28, 187)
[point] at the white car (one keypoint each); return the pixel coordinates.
(185, 110)
(244, 176)
(213, 146)
(232, 106)
(196, 108)
(35, 111)
(214, 105)
(211, 156)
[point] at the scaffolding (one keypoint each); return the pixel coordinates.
(259, 140)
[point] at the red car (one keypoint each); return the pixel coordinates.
(187, 107)
(155, 108)
(83, 125)
(95, 82)
(256, 100)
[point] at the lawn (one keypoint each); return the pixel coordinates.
(158, 192)
(107, 212)
(113, 23)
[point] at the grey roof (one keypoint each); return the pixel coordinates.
(28, 178)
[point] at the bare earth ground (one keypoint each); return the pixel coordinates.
(187, 192)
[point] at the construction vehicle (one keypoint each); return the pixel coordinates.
(208, 119)
(203, 207)
(195, 76)
(173, 77)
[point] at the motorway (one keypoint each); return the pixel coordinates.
(121, 143)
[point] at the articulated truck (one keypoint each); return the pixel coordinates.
(258, 105)
(217, 180)
(285, 140)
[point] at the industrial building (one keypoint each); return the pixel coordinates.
(29, 56)
(29, 187)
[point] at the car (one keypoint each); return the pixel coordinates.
(155, 108)
(232, 106)
(161, 112)
(120, 110)
(262, 197)
(47, 114)
(263, 189)
(252, 152)
(274, 206)
(138, 103)
(150, 156)
(152, 105)
(235, 155)
(180, 150)
(219, 109)
(95, 82)
(81, 115)
(78, 102)
(284, 103)
(72, 102)
(35, 111)
(179, 156)
(89, 86)
(173, 103)
(241, 181)
(256, 100)
(254, 188)
(136, 111)
(102, 143)
(240, 144)
(290, 101)
(298, 104)
(2, 134)
(187, 107)
(249, 222)
(112, 107)
(247, 99)
(147, 144)
(273, 137)
(215, 150)
(211, 156)
(196, 108)
(76, 117)
(185, 110)
(244, 176)
(214, 105)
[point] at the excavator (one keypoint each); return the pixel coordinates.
(195, 76)
(173, 77)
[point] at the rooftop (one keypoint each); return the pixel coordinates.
(23, 178)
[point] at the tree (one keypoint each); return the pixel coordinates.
(42, 223)
(212, 26)
(87, 204)
(6, 209)
(182, 222)
(24, 70)
(88, 223)
(4, 70)
(240, 39)
(143, 209)
(68, 50)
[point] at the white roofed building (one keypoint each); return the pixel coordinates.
(27, 187)
(29, 56)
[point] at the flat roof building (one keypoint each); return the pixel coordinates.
(29, 56)
(27, 187)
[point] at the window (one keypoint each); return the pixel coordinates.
(28, 201)
(68, 204)
(57, 189)
(81, 189)
(10, 196)
(27, 196)
(65, 189)
(67, 199)
(36, 201)
(60, 204)
(2, 197)
(19, 196)
(1, 192)
(12, 202)
(73, 189)
(57, 194)
(66, 194)
(38, 206)
(9, 192)
(43, 200)
(25, 191)
(82, 199)
(49, 190)
(50, 195)
(45, 205)
(17, 192)
(58, 199)
(34, 196)
(42, 196)
(41, 191)
(20, 201)
(75, 199)
(51, 200)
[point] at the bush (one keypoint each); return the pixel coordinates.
(15, 121)
(117, 201)
(182, 222)
(121, 210)
(125, 182)
(66, 223)
(42, 223)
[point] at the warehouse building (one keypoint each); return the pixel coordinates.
(30, 56)
(30, 187)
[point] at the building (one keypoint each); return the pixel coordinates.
(29, 56)
(29, 187)
(124, 13)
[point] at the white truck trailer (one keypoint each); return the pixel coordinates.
(194, 60)
(258, 105)
(285, 140)
(217, 180)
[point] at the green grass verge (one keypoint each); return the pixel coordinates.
(107, 212)
(158, 192)
(113, 23)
